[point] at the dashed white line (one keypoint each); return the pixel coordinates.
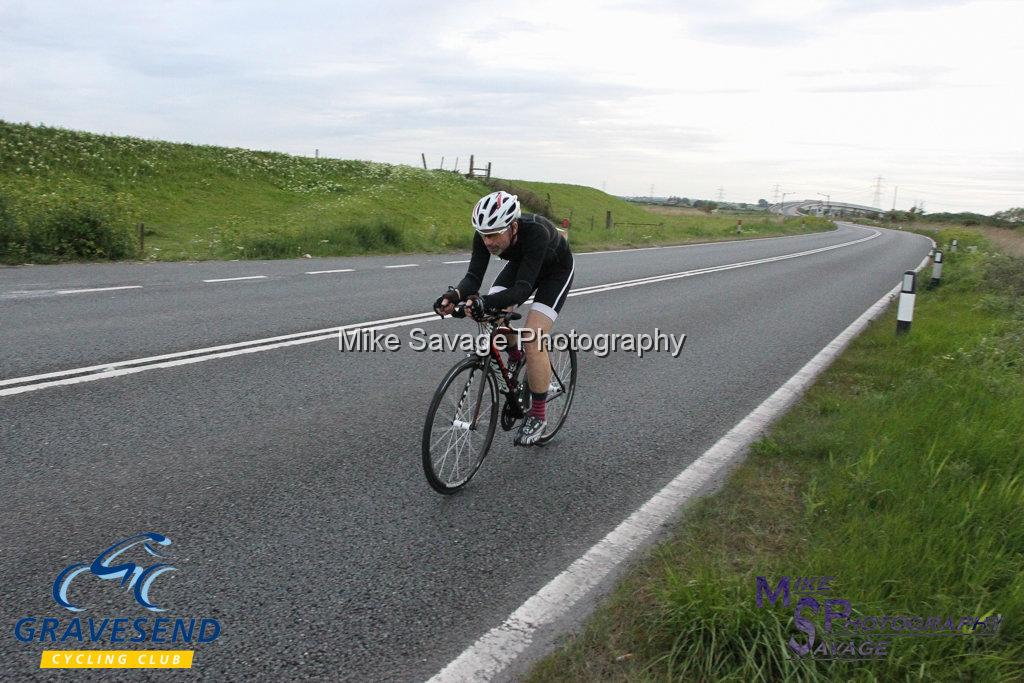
(698, 244)
(404, 265)
(96, 289)
(463, 261)
(234, 279)
(40, 293)
(321, 272)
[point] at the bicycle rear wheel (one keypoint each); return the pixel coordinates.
(560, 391)
(460, 425)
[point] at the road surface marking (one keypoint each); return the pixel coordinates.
(117, 369)
(233, 279)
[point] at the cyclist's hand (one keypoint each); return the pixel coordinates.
(477, 307)
(445, 303)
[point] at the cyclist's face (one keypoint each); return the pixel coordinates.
(501, 241)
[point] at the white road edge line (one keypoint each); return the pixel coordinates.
(322, 272)
(128, 367)
(405, 265)
(449, 262)
(233, 279)
(499, 647)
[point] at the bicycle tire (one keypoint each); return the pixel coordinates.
(433, 470)
(563, 401)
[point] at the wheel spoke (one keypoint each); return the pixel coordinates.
(461, 427)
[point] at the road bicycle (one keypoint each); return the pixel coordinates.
(464, 414)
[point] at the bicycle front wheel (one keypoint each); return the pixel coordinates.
(460, 425)
(561, 390)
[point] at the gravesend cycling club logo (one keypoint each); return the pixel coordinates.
(132, 575)
(133, 566)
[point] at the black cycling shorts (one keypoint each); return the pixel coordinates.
(549, 293)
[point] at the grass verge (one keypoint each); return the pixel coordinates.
(901, 474)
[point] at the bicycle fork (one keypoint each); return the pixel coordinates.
(462, 424)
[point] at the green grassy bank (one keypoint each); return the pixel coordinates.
(67, 195)
(901, 474)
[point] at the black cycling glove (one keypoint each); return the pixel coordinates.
(477, 308)
(452, 295)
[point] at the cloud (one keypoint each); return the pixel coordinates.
(764, 33)
(892, 78)
(685, 96)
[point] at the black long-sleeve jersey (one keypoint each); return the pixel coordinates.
(539, 249)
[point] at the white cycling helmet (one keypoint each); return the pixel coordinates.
(495, 212)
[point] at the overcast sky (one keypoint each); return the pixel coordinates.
(690, 97)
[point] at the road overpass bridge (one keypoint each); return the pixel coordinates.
(816, 207)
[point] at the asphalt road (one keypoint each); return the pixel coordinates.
(289, 479)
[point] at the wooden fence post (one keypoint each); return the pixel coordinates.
(488, 170)
(424, 157)
(470, 174)
(142, 238)
(608, 220)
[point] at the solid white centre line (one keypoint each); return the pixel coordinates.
(321, 272)
(404, 265)
(233, 279)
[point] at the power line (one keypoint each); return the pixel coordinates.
(878, 191)
(776, 197)
(721, 193)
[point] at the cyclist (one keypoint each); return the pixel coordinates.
(539, 260)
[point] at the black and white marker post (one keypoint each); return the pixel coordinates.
(905, 313)
(937, 268)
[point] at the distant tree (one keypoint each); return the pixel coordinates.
(763, 203)
(685, 201)
(709, 206)
(1015, 215)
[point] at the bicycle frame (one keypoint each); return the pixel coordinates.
(501, 328)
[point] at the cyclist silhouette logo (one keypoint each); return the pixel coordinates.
(132, 576)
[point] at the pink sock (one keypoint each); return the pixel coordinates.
(537, 404)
